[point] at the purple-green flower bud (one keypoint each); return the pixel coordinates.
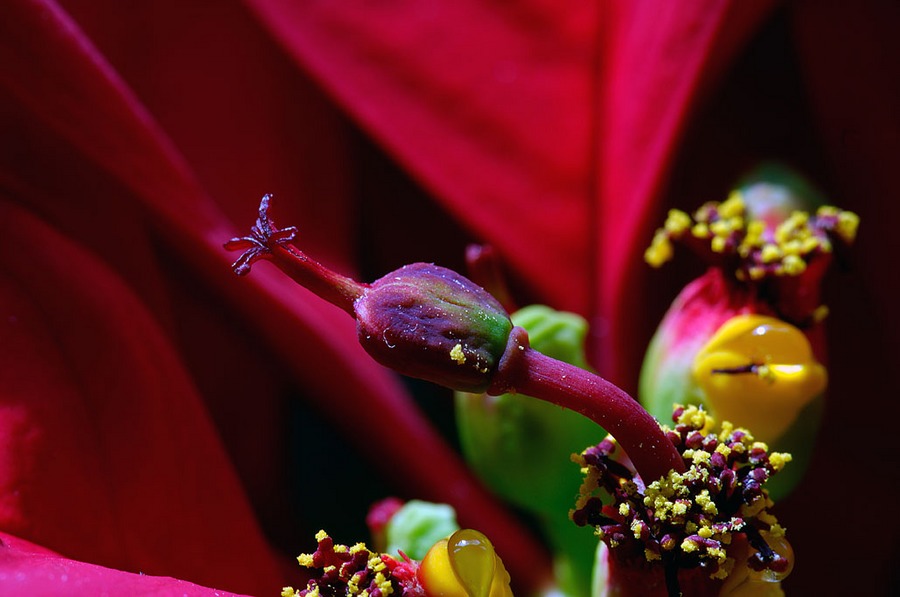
(430, 322)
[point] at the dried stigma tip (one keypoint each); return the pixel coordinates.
(266, 241)
(692, 522)
(263, 237)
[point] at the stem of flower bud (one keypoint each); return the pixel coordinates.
(527, 371)
(268, 242)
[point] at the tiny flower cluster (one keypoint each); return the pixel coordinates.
(342, 570)
(691, 519)
(756, 249)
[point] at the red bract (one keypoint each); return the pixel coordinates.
(138, 134)
(29, 570)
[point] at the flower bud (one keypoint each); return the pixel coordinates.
(429, 322)
(417, 525)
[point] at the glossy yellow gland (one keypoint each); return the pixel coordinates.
(464, 565)
(767, 399)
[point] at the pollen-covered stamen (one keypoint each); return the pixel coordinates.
(781, 255)
(691, 519)
(341, 570)
(753, 248)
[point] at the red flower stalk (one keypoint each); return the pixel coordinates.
(429, 322)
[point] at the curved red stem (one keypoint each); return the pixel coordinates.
(530, 372)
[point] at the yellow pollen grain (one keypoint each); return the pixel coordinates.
(624, 509)
(848, 222)
(358, 548)
(792, 247)
(384, 584)
(353, 585)
(770, 252)
(721, 227)
(733, 206)
(717, 244)
(755, 230)
(321, 535)
(651, 555)
(700, 457)
(756, 273)
(812, 243)
(767, 518)
(456, 354)
(677, 222)
(660, 250)
(689, 546)
(793, 265)
(779, 459)
(700, 230)
(289, 592)
(305, 560)
(706, 503)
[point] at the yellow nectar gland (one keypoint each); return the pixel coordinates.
(464, 565)
(759, 372)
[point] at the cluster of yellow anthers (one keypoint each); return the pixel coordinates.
(689, 518)
(339, 569)
(761, 249)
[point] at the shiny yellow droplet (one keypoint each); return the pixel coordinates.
(472, 559)
(758, 372)
(465, 565)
